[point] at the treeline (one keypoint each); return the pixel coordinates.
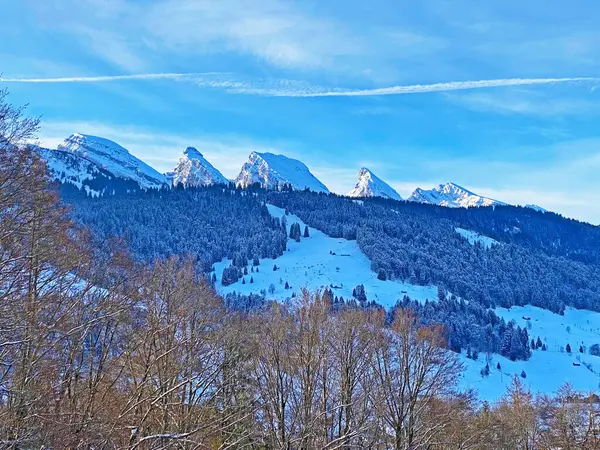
(205, 224)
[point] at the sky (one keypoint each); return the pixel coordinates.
(500, 97)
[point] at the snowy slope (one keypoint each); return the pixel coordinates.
(369, 185)
(193, 169)
(547, 370)
(475, 238)
(537, 208)
(273, 171)
(115, 159)
(317, 262)
(451, 195)
(71, 168)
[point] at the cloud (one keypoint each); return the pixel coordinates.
(408, 89)
(290, 88)
(108, 78)
(523, 102)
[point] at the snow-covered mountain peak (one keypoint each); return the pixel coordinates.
(274, 171)
(112, 157)
(193, 169)
(192, 153)
(451, 195)
(369, 185)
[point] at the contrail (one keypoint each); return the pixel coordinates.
(290, 88)
(407, 89)
(104, 79)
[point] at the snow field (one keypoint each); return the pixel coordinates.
(318, 262)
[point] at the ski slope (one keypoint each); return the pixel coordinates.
(317, 262)
(547, 370)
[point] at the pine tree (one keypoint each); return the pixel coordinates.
(581, 349)
(287, 285)
(568, 348)
(498, 367)
(306, 234)
(538, 343)
(381, 275)
(251, 280)
(359, 293)
(274, 267)
(523, 374)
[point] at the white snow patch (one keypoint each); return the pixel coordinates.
(547, 370)
(318, 262)
(475, 238)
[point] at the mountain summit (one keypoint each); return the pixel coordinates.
(369, 185)
(113, 158)
(451, 195)
(193, 169)
(275, 171)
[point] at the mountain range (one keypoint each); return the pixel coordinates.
(93, 163)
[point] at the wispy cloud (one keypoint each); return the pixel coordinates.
(525, 102)
(290, 88)
(108, 78)
(410, 89)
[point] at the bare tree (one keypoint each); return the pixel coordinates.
(412, 369)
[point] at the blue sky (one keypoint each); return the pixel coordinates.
(385, 84)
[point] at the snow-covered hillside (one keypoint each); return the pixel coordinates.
(317, 262)
(320, 261)
(274, 171)
(115, 159)
(475, 238)
(369, 185)
(546, 370)
(451, 195)
(193, 169)
(71, 168)
(537, 208)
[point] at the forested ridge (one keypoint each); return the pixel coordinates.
(544, 259)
